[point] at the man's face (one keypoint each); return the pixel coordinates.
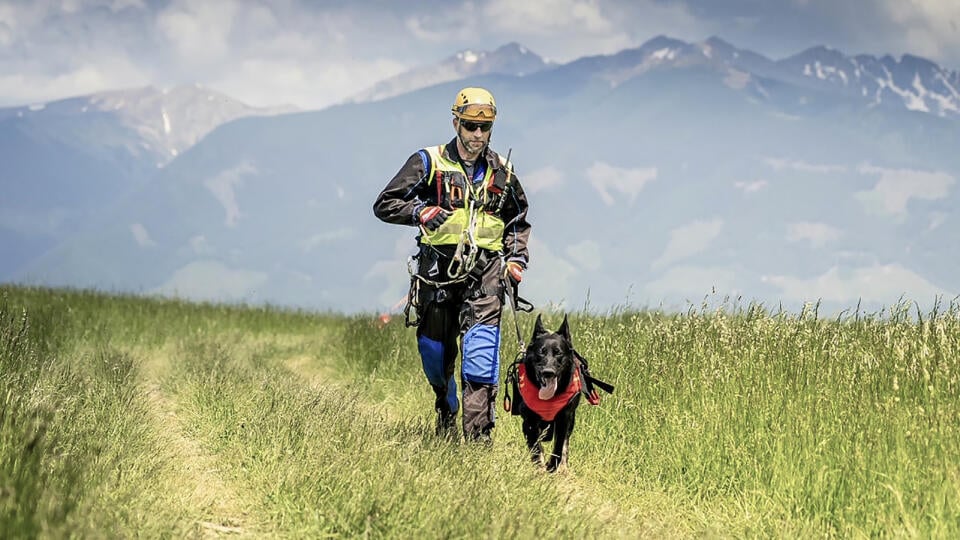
(474, 135)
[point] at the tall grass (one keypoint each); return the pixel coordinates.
(76, 451)
(799, 425)
(732, 421)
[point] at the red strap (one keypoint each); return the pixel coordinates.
(546, 408)
(429, 213)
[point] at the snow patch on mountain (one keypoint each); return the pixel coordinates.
(911, 82)
(169, 121)
(223, 187)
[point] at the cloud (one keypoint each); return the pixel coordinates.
(326, 237)
(551, 275)
(108, 72)
(550, 16)
(817, 234)
(141, 235)
(32, 223)
(587, 254)
(200, 246)
(896, 187)
(560, 30)
(326, 52)
(778, 29)
(751, 187)
(606, 178)
(293, 81)
(692, 281)
(876, 283)
(397, 283)
(263, 53)
(928, 27)
(213, 281)
(937, 219)
(780, 164)
(688, 240)
(198, 31)
(542, 180)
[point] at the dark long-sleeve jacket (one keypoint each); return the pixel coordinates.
(409, 191)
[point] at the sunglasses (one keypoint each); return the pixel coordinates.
(472, 126)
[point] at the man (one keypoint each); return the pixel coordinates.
(472, 218)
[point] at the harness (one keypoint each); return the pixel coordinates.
(475, 226)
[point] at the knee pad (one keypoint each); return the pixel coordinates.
(481, 354)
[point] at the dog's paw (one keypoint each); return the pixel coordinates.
(556, 465)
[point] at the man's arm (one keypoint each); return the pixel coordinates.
(517, 228)
(400, 201)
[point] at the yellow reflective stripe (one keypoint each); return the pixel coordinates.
(488, 235)
(489, 232)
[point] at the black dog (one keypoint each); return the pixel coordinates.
(550, 384)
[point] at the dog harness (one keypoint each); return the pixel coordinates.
(527, 393)
(547, 408)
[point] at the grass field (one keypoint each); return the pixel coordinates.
(123, 416)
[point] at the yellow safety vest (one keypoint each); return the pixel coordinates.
(457, 193)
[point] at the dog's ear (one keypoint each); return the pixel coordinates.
(538, 329)
(565, 331)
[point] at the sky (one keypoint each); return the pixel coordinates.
(311, 54)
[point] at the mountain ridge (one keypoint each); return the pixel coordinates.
(697, 174)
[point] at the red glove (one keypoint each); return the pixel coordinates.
(514, 271)
(432, 217)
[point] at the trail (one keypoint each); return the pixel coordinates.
(220, 510)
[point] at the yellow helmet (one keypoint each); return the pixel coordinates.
(475, 104)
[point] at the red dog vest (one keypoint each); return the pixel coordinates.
(546, 408)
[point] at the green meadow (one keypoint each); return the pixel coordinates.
(125, 416)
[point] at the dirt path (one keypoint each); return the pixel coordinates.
(219, 510)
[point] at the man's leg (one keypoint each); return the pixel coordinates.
(480, 364)
(437, 343)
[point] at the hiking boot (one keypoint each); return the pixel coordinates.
(483, 438)
(446, 425)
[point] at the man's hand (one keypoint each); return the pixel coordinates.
(514, 271)
(432, 217)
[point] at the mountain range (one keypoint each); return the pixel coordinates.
(657, 176)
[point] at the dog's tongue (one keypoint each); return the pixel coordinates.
(548, 389)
